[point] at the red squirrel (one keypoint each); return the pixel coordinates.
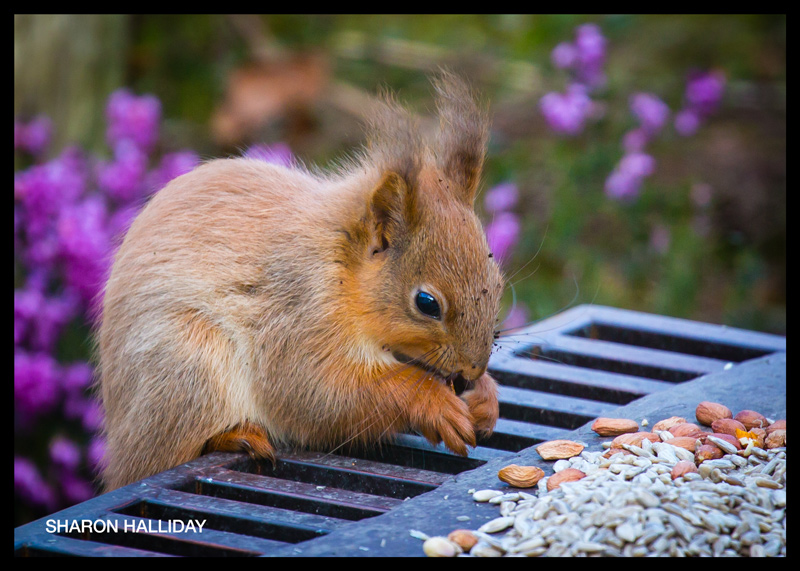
(253, 306)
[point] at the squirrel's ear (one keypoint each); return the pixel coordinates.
(391, 209)
(463, 134)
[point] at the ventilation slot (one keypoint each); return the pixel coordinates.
(611, 365)
(665, 342)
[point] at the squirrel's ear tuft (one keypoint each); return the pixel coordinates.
(393, 139)
(463, 134)
(392, 211)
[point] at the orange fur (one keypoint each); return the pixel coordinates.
(246, 437)
(253, 303)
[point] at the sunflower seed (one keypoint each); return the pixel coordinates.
(497, 524)
(723, 445)
(485, 495)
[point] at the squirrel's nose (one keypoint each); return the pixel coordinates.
(472, 372)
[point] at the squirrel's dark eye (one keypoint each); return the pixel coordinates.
(428, 305)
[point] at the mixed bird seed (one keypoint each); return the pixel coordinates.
(629, 505)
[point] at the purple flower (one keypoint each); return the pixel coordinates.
(620, 185)
(36, 387)
(591, 53)
(638, 164)
(39, 318)
(564, 55)
(120, 222)
(30, 486)
(75, 489)
(95, 453)
(20, 327)
(55, 313)
(122, 178)
(651, 112)
(704, 91)
(687, 122)
(43, 251)
(172, 166)
(81, 228)
(567, 112)
(635, 140)
(585, 57)
(27, 303)
(33, 137)
(501, 197)
(626, 180)
(43, 190)
(133, 118)
(75, 380)
(517, 317)
(76, 377)
(703, 95)
(92, 418)
(65, 454)
(75, 405)
(85, 246)
(279, 154)
(502, 234)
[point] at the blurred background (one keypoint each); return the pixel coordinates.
(634, 161)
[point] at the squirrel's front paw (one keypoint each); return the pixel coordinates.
(448, 419)
(483, 406)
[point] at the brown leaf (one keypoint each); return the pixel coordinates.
(265, 90)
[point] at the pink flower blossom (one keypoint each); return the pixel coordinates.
(502, 235)
(501, 197)
(567, 112)
(651, 112)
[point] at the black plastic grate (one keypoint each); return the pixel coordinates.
(554, 377)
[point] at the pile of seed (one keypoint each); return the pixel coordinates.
(629, 505)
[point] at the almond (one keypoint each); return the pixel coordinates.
(777, 425)
(681, 468)
(751, 419)
(685, 442)
(707, 412)
(566, 475)
(521, 476)
(614, 426)
(686, 429)
(727, 426)
(775, 439)
(634, 439)
(761, 436)
(707, 452)
(668, 423)
(464, 538)
(557, 449)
